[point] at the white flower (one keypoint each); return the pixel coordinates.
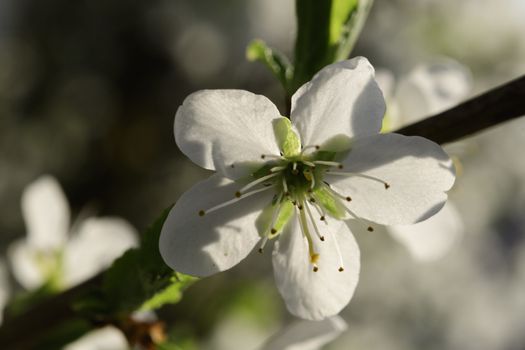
(306, 335)
(49, 254)
(426, 90)
(298, 181)
(4, 288)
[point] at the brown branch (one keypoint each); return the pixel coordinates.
(491, 108)
(26, 330)
(496, 106)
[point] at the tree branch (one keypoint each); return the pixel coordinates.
(496, 106)
(489, 109)
(26, 330)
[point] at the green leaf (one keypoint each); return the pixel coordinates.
(287, 139)
(171, 294)
(278, 63)
(313, 39)
(326, 33)
(339, 17)
(350, 29)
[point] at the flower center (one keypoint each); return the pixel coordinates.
(297, 177)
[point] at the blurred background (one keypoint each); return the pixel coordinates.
(88, 93)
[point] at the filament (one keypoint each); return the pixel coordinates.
(256, 182)
(235, 200)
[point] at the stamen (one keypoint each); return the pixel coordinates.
(275, 215)
(320, 211)
(316, 229)
(337, 194)
(235, 200)
(373, 178)
(338, 250)
(313, 259)
(306, 233)
(361, 222)
(258, 181)
(285, 187)
(273, 156)
(316, 147)
(263, 243)
(277, 168)
(333, 164)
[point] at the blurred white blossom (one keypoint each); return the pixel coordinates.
(107, 338)
(306, 335)
(54, 253)
(4, 288)
(426, 90)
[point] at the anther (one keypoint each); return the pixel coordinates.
(387, 186)
(263, 156)
(260, 250)
(317, 147)
(273, 231)
(312, 200)
(232, 166)
(315, 269)
(348, 199)
(370, 229)
(201, 212)
(323, 218)
(237, 194)
(300, 207)
(341, 269)
(321, 238)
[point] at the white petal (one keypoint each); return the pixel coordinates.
(431, 239)
(107, 338)
(97, 244)
(216, 128)
(23, 261)
(342, 99)
(316, 295)
(431, 88)
(204, 245)
(46, 213)
(306, 335)
(418, 171)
